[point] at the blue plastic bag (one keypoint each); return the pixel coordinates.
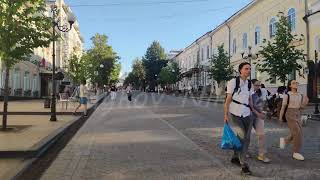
(229, 139)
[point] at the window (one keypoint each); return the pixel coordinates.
(1, 79)
(273, 80)
(16, 79)
(208, 52)
(292, 19)
(245, 41)
(272, 27)
(257, 35)
(34, 83)
(202, 54)
(234, 46)
(26, 81)
(317, 43)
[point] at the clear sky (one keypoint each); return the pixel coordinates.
(132, 25)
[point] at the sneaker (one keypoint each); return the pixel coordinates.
(298, 156)
(245, 170)
(263, 159)
(235, 161)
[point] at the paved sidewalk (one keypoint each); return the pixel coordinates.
(31, 133)
(38, 106)
(128, 141)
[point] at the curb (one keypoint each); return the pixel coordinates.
(41, 147)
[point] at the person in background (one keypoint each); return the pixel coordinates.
(129, 92)
(293, 115)
(258, 123)
(83, 94)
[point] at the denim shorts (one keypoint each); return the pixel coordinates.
(83, 100)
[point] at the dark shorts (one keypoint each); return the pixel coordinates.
(83, 100)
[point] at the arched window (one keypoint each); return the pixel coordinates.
(26, 81)
(34, 83)
(257, 36)
(16, 79)
(317, 43)
(272, 27)
(245, 41)
(292, 19)
(234, 46)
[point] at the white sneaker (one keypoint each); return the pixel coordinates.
(298, 156)
(282, 143)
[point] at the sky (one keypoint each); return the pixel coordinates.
(132, 25)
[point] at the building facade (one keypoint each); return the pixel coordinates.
(33, 78)
(242, 34)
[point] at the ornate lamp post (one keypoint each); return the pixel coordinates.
(62, 28)
(249, 56)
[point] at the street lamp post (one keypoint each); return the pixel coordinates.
(316, 107)
(249, 56)
(62, 28)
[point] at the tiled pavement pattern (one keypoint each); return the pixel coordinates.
(139, 140)
(124, 140)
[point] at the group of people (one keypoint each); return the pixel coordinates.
(245, 107)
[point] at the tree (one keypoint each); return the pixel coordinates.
(221, 70)
(169, 75)
(133, 79)
(114, 77)
(101, 54)
(22, 28)
(77, 68)
(280, 56)
(139, 71)
(153, 61)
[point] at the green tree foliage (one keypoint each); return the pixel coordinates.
(139, 71)
(169, 74)
(153, 61)
(221, 70)
(77, 68)
(133, 79)
(23, 27)
(102, 54)
(114, 78)
(280, 55)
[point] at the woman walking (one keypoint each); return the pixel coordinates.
(83, 98)
(258, 99)
(291, 110)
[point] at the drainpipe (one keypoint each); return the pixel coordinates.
(229, 42)
(306, 20)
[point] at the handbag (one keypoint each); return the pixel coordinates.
(229, 139)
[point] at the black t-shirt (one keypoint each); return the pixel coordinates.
(113, 88)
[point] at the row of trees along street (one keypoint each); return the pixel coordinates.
(100, 63)
(153, 69)
(23, 27)
(278, 57)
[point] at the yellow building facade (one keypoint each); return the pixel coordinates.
(243, 33)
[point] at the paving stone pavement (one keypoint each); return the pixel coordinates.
(203, 123)
(127, 140)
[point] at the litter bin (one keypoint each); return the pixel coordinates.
(47, 103)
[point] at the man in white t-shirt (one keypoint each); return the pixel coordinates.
(238, 104)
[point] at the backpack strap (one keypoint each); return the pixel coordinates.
(237, 85)
(236, 89)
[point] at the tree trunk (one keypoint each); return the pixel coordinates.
(5, 103)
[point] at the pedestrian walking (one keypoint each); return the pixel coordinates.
(238, 104)
(113, 90)
(292, 103)
(259, 100)
(129, 92)
(83, 94)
